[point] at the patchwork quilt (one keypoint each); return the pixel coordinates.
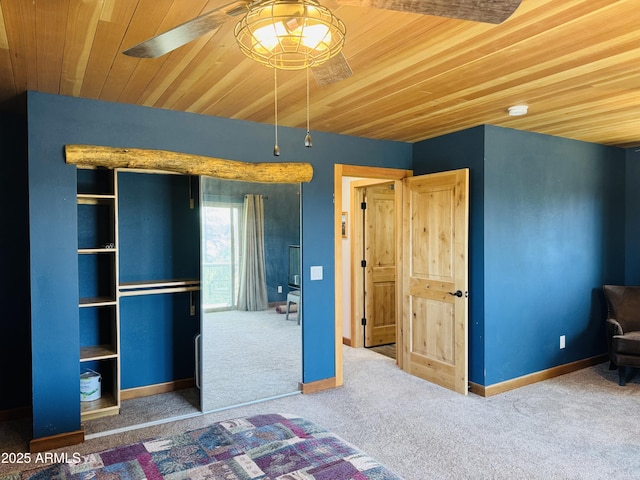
(261, 447)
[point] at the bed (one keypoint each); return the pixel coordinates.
(260, 447)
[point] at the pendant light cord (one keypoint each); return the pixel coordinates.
(307, 99)
(307, 138)
(276, 148)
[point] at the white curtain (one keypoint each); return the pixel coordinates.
(252, 294)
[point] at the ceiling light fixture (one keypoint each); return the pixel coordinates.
(290, 35)
(518, 110)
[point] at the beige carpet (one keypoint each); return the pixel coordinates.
(248, 356)
(580, 426)
(154, 408)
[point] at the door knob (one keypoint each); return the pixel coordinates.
(457, 293)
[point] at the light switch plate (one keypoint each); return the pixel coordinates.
(316, 272)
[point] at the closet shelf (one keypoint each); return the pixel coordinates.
(87, 251)
(97, 301)
(97, 352)
(152, 287)
(90, 199)
(105, 405)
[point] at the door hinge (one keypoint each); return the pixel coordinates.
(363, 322)
(363, 205)
(363, 263)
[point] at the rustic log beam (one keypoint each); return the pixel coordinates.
(188, 164)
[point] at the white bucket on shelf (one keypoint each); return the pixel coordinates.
(90, 386)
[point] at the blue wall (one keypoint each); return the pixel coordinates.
(54, 121)
(553, 228)
(157, 338)
(632, 222)
(53, 267)
(159, 237)
(554, 233)
(158, 231)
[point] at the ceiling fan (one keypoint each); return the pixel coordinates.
(336, 67)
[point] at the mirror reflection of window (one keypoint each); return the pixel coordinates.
(220, 255)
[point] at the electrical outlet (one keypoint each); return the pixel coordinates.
(562, 342)
(279, 288)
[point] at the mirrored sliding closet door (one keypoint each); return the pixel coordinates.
(250, 347)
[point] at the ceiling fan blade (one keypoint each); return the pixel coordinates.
(332, 71)
(182, 34)
(487, 11)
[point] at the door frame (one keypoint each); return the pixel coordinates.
(357, 287)
(339, 171)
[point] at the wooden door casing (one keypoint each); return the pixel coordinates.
(341, 172)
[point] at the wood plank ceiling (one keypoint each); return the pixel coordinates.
(575, 63)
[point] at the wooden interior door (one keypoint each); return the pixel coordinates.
(380, 269)
(435, 278)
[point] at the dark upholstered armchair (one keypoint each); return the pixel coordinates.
(623, 328)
